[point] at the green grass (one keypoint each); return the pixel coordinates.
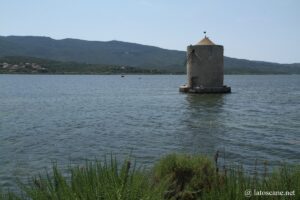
(174, 177)
(96, 180)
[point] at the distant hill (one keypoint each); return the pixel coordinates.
(243, 66)
(125, 54)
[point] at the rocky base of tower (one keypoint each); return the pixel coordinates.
(205, 90)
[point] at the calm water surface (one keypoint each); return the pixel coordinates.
(71, 118)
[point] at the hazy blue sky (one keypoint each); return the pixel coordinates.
(266, 30)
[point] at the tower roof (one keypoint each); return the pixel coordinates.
(205, 41)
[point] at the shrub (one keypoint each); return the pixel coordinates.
(188, 176)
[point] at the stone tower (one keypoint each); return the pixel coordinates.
(205, 71)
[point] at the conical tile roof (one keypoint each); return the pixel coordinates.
(205, 41)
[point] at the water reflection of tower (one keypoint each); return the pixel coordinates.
(202, 123)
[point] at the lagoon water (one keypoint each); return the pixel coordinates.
(70, 118)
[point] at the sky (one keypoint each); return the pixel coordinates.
(266, 30)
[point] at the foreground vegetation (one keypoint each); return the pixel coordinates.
(173, 177)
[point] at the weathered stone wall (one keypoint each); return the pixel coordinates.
(205, 65)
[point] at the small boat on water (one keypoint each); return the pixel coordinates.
(122, 75)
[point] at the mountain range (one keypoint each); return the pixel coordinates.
(125, 54)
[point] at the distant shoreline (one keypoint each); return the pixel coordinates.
(130, 74)
(32, 65)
